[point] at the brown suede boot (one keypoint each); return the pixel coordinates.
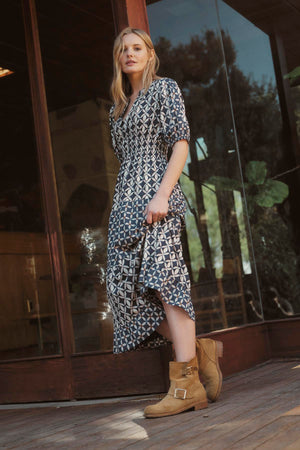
(208, 351)
(185, 391)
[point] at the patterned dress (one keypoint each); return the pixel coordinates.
(143, 259)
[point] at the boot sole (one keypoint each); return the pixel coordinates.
(196, 407)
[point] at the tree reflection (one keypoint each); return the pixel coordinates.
(198, 67)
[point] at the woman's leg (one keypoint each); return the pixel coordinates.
(164, 330)
(179, 328)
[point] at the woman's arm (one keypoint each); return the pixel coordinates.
(157, 208)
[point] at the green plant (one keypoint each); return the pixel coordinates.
(295, 73)
(259, 189)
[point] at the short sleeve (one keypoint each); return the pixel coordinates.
(173, 119)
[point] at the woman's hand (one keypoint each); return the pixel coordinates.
(157, 208)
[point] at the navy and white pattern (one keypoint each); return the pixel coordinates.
(145, 259)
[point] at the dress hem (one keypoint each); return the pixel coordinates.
(137, 345)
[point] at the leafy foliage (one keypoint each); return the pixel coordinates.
(295, 73)
(256, 172)
(271, 192)
(263, 191)
(225, 184)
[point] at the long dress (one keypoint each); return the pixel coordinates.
(143, 259)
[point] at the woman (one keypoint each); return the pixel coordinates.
(148, 284)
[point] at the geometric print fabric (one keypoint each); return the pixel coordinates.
(144, 259)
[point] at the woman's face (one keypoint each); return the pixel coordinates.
(135, 55)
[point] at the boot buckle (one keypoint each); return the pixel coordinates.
(184, 395)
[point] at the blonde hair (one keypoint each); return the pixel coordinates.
(120, 87)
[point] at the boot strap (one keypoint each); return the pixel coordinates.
(188, 370)
(179, 393)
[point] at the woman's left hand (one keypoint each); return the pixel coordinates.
(157, 208)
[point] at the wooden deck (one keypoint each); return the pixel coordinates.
(259, 408)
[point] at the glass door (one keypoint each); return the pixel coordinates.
(76, 47)
(76, 44)
(36, 342)
(32, 366)
(28, 319)
(217, 239)
(240, 201)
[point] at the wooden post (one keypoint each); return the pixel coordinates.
(130, 13)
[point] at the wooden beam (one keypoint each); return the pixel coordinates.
(130, 13)
(137, 14)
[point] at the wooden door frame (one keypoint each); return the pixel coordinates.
(48, 186)
(46, 377)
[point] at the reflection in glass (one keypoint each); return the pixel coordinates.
(264, 159)
(295, 90)
(77, 66)
(217, 246)
(218, 240)
(239, 201)
(28, 320)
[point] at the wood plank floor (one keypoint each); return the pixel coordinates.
(259, 408)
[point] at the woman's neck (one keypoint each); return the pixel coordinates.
(136, 83)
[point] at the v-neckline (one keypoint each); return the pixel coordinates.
(128, 113)
(123, 119)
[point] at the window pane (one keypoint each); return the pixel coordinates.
(28, 320)
(272, 196)
(187, 37)
(76, 43)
